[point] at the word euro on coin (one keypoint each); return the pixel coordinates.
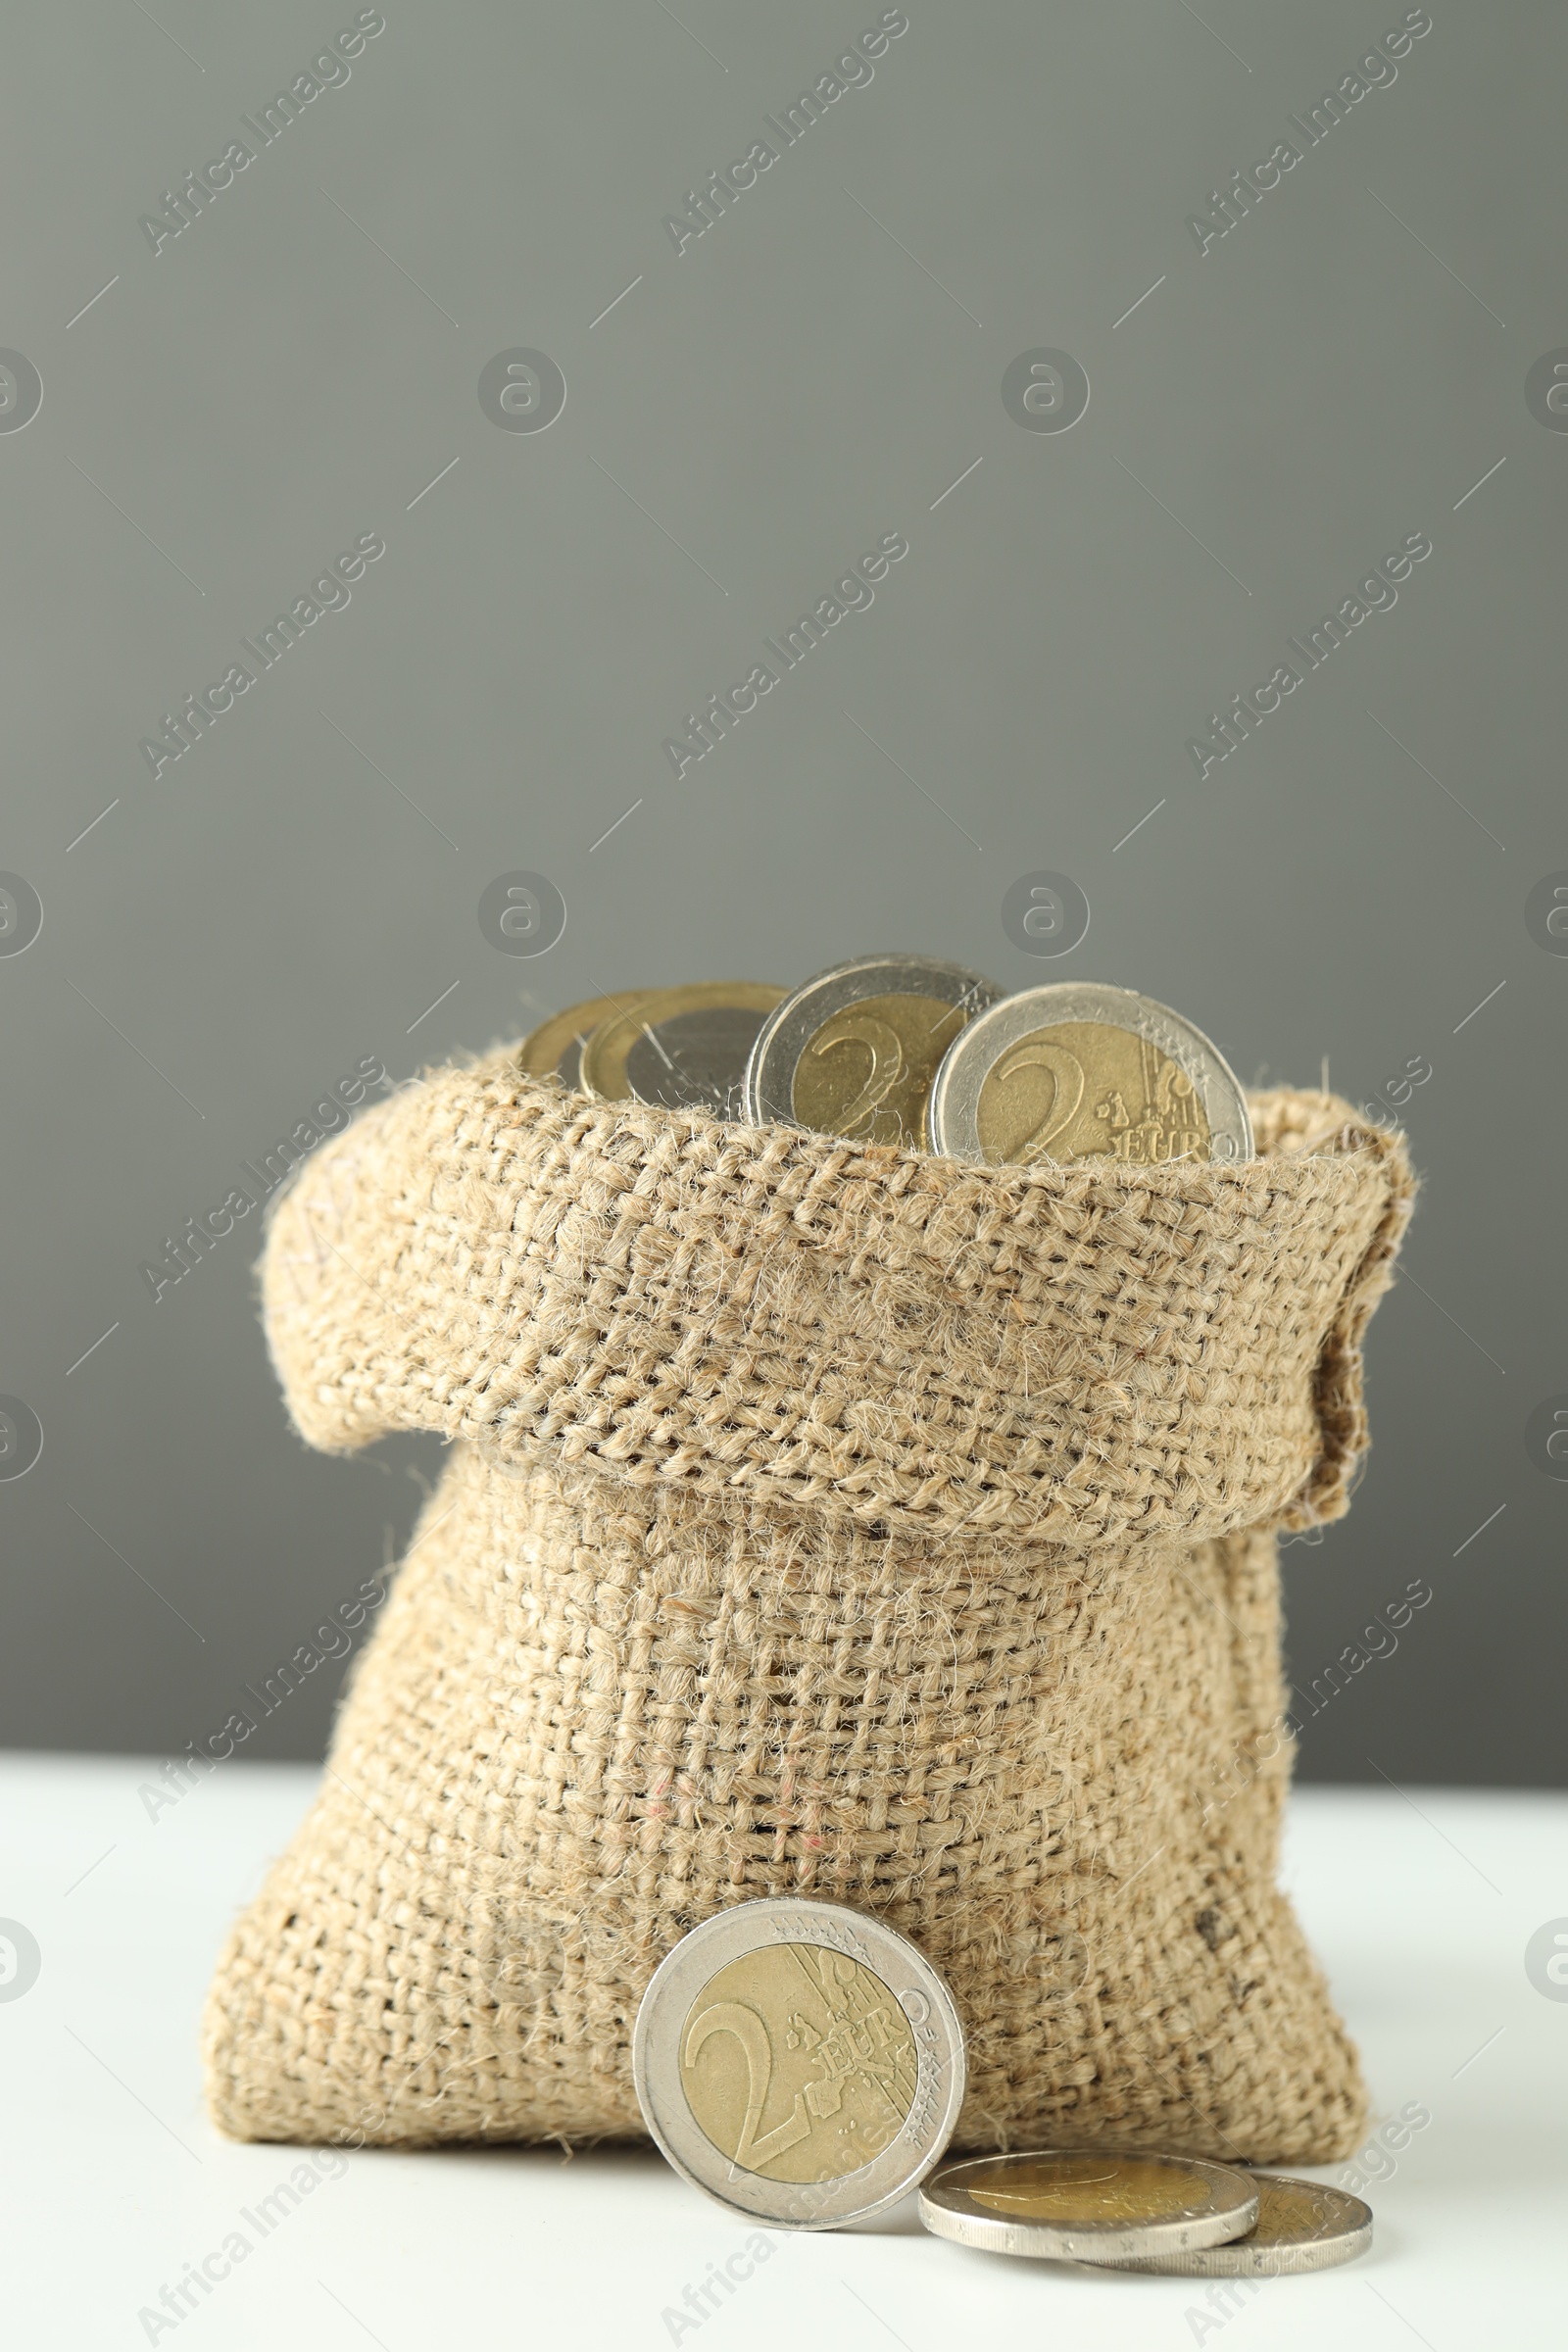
(854, 1052)
(555, 1049)
(1076, 2205)
(1301, 2225)
(1082, 1071)
(679, 1046)
(800, 2061)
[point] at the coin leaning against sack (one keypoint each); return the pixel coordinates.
(909, 1051)
(800, 2061)
(804, 2065)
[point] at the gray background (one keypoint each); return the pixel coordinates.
(753, 415)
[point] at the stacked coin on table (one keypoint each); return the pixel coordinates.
(909, 1051)
(1077, 2205)
(1301, 2225)
(1142, 2210)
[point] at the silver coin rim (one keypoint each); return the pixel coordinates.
(952, 1117)
(785, 1033)
(640, 998)
(1241, 2259)
(732, 1935)
(947, 2210)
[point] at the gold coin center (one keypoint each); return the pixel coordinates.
(1085, 2189)
(1292, 2213)
(1080, 1090)
(798, 2062)
(866, 1072)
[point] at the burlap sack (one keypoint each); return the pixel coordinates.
(820, 1519)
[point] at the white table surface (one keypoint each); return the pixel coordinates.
(1420, 1905)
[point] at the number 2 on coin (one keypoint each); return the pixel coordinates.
(733, 2017)
(1067, 1074)
(887, 1066)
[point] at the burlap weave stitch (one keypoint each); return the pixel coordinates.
(823, 1519)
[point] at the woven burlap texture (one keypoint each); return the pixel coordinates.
(820, 1519)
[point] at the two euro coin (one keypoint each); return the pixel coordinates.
(1083, 1071)
(853, 1050)
(800, 2061)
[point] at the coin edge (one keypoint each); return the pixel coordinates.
(990, 2234)
(586, 1003)
(1230, 2259)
